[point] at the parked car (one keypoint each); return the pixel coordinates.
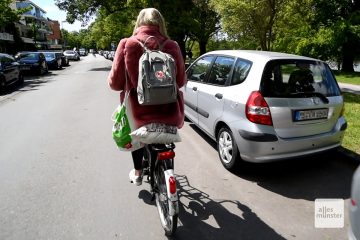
(64, 59)
(263, 106)
(32, 62)
(82, 52)
(72, 55)
(53, 60)
(354, 209)
(9, 71)
(111, 55)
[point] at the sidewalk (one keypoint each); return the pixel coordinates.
(345, 87)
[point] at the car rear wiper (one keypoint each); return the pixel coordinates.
(311, 94)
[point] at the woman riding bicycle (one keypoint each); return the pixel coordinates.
(149, 22)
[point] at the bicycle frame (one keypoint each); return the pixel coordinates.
(160, 168)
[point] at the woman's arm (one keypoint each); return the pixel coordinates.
(180, 68)
(116, 78)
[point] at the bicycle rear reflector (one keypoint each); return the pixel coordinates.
(166, 155)
(172, 184)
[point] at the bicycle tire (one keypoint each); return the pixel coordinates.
(169, 223)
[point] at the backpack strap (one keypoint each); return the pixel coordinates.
(163, 44)
(160, 46)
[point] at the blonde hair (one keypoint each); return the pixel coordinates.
(151, 16)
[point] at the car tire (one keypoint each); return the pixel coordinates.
(2, 85)
(21, 79)
(228, 151)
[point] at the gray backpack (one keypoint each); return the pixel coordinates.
(157, 77)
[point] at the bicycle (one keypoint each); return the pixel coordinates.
(158, 165)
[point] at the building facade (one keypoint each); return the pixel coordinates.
(54, 39)
(34, 26)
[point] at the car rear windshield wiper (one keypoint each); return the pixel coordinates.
(311, 94)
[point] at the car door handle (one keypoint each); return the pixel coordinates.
(219, 96)
(194, 88)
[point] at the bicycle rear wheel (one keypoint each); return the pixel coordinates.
(164, 204)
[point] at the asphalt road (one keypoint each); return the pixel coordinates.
(61, 176)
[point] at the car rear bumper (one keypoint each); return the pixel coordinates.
(260, 147)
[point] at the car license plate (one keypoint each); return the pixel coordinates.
(312, 114)
(25, 67)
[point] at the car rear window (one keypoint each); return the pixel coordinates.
(286, 78)
(28, 56)
(49, 55)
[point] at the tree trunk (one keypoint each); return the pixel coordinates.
(348, 59)
(182, 46)
(202, 46)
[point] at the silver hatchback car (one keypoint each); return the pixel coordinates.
(264, 106)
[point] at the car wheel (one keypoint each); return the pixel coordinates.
(21, 79)
(227, 149)
(2, 84)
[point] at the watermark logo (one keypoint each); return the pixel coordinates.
(329, 213)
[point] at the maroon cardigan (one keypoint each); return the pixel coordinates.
(127, 57)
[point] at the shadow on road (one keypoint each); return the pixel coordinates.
(325, 175)
(201, 217)
(102, 69)
(31, 82)
(196, 209)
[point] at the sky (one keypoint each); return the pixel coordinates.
(54, 13)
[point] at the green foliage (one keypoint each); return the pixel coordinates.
(205, 22)
(249, 20)
(329, 30)
(352, 114)
(113, 27)
(325, 29)
(9, 15)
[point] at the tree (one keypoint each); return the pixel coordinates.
(205, 23)
(177, 14)
(325, 29)
(343, 16)
(116, 18)
(8, 15)
(83, 11)
(250, 20)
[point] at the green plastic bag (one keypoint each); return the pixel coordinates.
(121, 128)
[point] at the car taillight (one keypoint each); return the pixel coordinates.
(353, 202)
(257, 110)
(166, 155)
(172, 185)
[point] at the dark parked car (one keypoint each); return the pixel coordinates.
(53, 60)
(64, 59)
(32, 62)
(9, 71)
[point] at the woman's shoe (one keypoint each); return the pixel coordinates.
(137, 180)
